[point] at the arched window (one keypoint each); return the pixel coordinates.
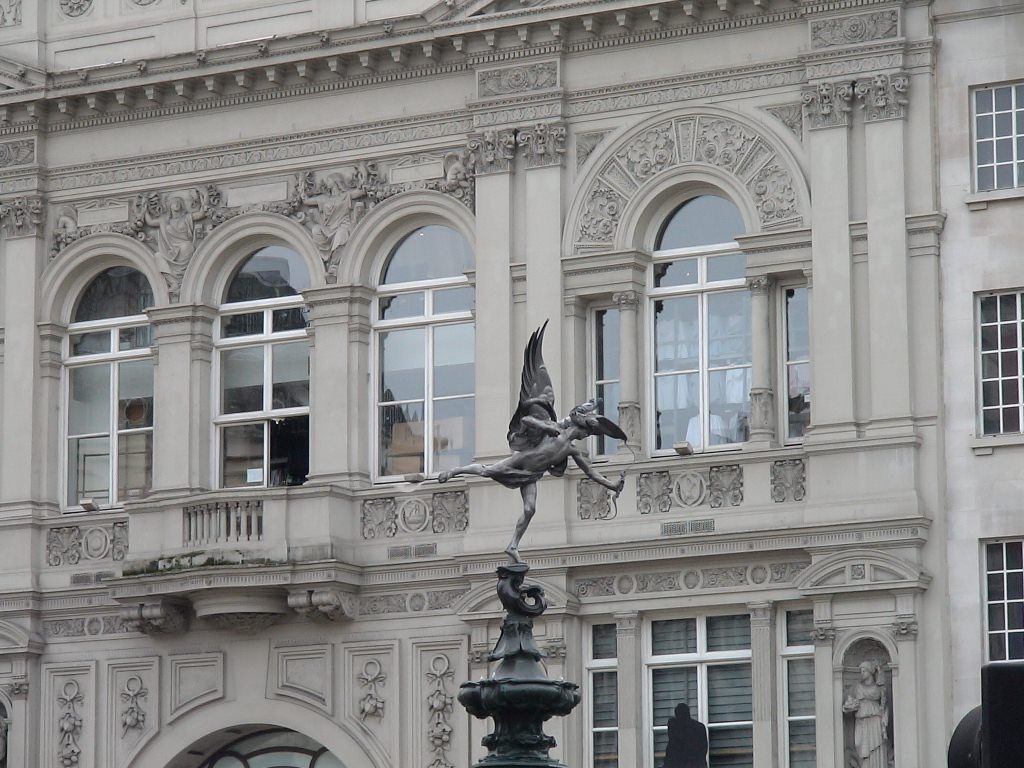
(425, 353)
(109, 373)
(702, 331)
(262, 419)
(276, 748)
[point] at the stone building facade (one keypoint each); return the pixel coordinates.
(268, 267)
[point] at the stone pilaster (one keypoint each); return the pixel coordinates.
(763, 669)
(630, 688)
(762, 394)
(628, 303)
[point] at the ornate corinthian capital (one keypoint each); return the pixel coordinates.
(494, 151)
(543, 144)
(827, 104)
(21, 217)
(883, 97)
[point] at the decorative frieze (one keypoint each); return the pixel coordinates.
(384, 517)
(654, 492)
(657, 582)
(70, 545)
(789, 479)
(20, 151)
(823, 633)
(439, 710)
(827, 104)
(494, 151)
(69, 724)
(372, 679)
(884, 96)
(21, 217)
(593, 501)
(90, 626)
(523, 78)
(851, 30)
(717, 486)
(758, 574)
(542, 144)
(600, 586)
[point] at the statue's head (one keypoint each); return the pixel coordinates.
(869, 670)
(177, 205)
(587, 417)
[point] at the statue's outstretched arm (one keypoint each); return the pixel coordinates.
(596, 476)
(545, 425)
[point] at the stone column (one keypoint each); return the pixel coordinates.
(23, 719)
(339, 435)
(630, 677)
(906, 691)
(494, 334)
(826, 109)
(762, 395)
(883, 99)
(762, 649)
(629, 370)
(22, 249)
(828, 690)
(182, 415)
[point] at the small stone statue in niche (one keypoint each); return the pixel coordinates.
(868, 703)
(337, 208)
(541, 442)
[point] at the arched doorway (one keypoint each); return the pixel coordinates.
(256, 746)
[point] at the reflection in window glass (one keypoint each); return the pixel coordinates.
(430, 253)
(798, 365)
(704, 220)
(999, 137)
(116, 292)
(1001, 349)
(606, 369)
(1005, 600)
(269, 273)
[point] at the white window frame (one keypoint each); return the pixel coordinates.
(266, 339)
(111, 359)
(985, 602)
(786, 655)
(702, 659)
(702, 289)
(592, 381)
(1017, 104)
(781, 350)
(979, 372)
(428, 320)
(597, 665)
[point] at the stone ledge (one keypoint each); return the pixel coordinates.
(985, 445)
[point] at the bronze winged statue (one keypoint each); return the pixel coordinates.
(541, 442)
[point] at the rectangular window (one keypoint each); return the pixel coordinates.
(604, 710)
(1004, 588)
(1000, 348)
(606, 372)
(999, 137)
(703, 662)
(798, 664)
(797, 340)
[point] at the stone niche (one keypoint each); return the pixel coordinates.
(867, 706)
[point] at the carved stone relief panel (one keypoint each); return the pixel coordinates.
(586, 143)
(542, 144)
(68, 723)
(10, 16)
(194, 679)
(593, 501)
(883, 96)
(789, 480)
(514, 80)
(132, 708)
(440, 731)
(716, 486)
(791, 116)
(303, 673)
(827, 104)
(72, 545)
(851, 30)
(19, 151)
(711, 140)
(371, 688)
(385, 517)
(84, 626)
(75, 8)
(21, 216)
(758, 574)
(493, 151)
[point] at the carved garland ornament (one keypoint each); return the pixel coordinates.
(69, 724)
(372, 679)
(850, 30)
(717, 142)
(439, 710)
(384, 518)
(134, 716)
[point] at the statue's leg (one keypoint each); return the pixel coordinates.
(529, 493)
(469, 469)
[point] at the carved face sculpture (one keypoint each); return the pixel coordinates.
(177, 206)
(825, 93)
(867, 671)
(880, 83)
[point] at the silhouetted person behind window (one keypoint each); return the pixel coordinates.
(687, 741)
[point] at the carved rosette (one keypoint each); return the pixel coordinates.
(851, 30)
(543, 144)
(494, 151)
(884, 96)
(75, 8)
(21, 217)
(827, 104)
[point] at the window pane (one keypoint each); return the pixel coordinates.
(89, 470)
(1014, 555)
(608, 394)
(731, 747)
(135, 394)
(289, 451)
(730, 406)
(607, 344)
(454, 427)
(996, 616)
(798, 398)
(606, 749)
(402, 355)
(801, 744)
(728, 633)
(401, 439)
(677, 404)
(453, 360)
(89, 406)
(604, 641)
(730, 267)
(401, 305)
(246, 324)
(242, 455)
(660, 745)
(115, 292)
(673, 636)
(673, 273)
(606, 700)
(429, 253)
(290, 364)
(729, 693)
(798, 344)
(703, 220)
(241, 372)
(983, 100)
(136, 337)
(134, 464)
(291, 319)
(672, 686)
(269, 273)
(729, 328)
(676, 334)
(798, 627)
(453, 300)
(92, 343)
(997, 647)
(800, 677)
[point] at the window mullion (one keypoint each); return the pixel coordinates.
(702, 357)
(428, 392)
(114, 436)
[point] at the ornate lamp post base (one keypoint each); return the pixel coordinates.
(518, 695)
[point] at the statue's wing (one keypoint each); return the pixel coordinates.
(536, 395)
